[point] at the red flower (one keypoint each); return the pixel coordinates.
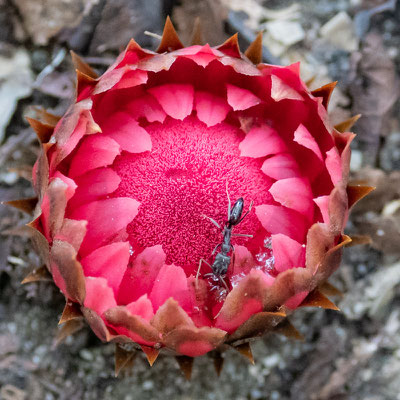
(134, 174)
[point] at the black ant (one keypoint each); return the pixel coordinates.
(222, 260)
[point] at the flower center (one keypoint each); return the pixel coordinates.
(182, 180)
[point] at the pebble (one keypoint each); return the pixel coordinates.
(339, 31)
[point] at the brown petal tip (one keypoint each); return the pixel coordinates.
(325, 92)
(346, 125)
(170, 40)
(329, 290)
(37, 275)
(356, 192)
(82, 66)
(218, 362)
(46, 117)
(83, 81)
(26, 205)
(245, 350)
(151, 354)
(186, 365)
(68, 329)
(231, 47)
(254, 51)
(317, 299)
(71, 311)
(43, 131)
(123, 359)
(197, 34)
(287, 329)
(357, 240)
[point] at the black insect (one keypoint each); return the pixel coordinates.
(222, 260)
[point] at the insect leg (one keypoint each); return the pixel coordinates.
(213, 221)
(229, 202)
(215, 249)
(242, 235)
(222, 280)
(244, 216)
(198, 270)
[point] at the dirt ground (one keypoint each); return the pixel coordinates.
(353, 354)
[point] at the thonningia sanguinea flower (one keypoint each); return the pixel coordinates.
(133, 180)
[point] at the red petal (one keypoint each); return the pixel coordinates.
(304, 137)
(176, 99)
(108, 262)
(131, 79)
(123, 128)
(243, 301)
(201, 55)
(195, 348)
(95, 183)
(333, 163)
(294, 193)
(95, 151)
(278, 219)
(261, 141)
(171, 281)
(323, 204)
(210, 109)
(140, 277)
(282, 91)
(99, 296)
(146, 106)
(243, 262)
(287, 252)
(280, 166)
(296, 300)
(105, 219)
(241, 99)
(142, 307)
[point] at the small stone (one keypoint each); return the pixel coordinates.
(15, 83)
(86, 355)
(356, 160)
(282, 34)
(339, 31)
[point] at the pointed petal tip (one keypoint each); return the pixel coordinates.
(26, 205)
(218, 362)
(357, 192)
(68, 329)
(325, 92)
(170, 40)
(287, 329)
(186, 365)
(38, 275)
(317, 299)
(254, 51)
(329, 290)
(43, 131)
(358, 240)
(245, 350)
(82, 66)
(346, 125)
(231, 46)
(151, 354)
(71, 311)
(123, 359)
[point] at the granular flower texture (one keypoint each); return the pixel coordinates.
(133, 180)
